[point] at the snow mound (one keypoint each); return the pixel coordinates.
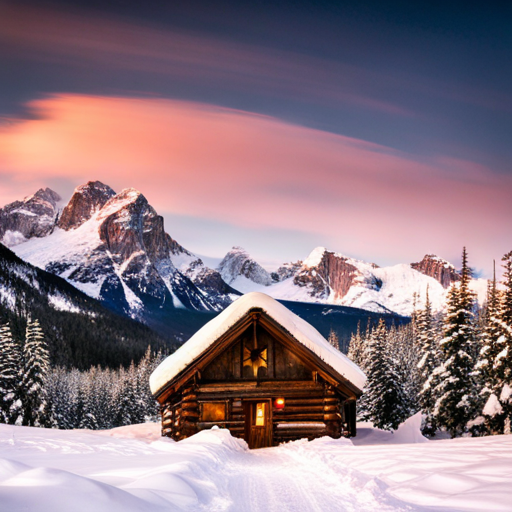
(217, 436)
(407, 433)
(147, 432)
(302, 331)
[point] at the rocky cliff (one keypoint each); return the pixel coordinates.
(329, 275)
(441, 270)
(86, 201)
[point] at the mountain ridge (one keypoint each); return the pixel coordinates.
(114, 247)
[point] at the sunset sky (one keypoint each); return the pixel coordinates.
(382, 130)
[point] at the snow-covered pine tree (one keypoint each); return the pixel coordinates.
(104, 383)
(88, 397)
(62, 396)
(10, 360)
(503, 361)
(486, 364)
(333, 339)
(137, 389)
(356, 347)
(429, 358)
(147, 364)
(36, 365)
(125, 399)
(404, 355)
(455, 392)
(384, 397)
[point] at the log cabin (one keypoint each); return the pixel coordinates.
(262, 372)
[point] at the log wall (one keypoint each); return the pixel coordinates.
(312, 409)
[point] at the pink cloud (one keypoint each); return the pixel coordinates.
(258, 172)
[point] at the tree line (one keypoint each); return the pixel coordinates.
(34, 394)
(455, 367)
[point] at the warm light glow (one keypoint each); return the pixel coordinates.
(260, 414)
(279, 403)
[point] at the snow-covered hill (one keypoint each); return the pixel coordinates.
(132, 469)
(79, 330)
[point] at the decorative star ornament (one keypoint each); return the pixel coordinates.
(256, 358)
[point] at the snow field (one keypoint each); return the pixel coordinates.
(133, 469)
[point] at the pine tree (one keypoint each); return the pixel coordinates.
(36, 365)
(384, 397)
(61, 391)
(503, 360)
(429, 357)
(404, 355)
(145, 368)
(10, 359)
(356, 347)
(454, 393)
(333, 339)
(486, 363)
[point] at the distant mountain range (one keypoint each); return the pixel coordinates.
(114, 248)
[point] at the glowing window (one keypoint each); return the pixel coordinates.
(260, 414)
(213, 411)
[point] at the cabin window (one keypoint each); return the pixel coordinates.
(260, 414)
(213, 411)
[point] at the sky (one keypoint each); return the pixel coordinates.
(380, 130)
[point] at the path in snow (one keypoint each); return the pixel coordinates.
(295, 478)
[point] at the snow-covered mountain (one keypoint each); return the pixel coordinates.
(208, 280)
(241, 271)
(328, 277)
(79, 330)
(34, 216)
(114, 248)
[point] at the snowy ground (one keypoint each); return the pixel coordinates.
(133, 469)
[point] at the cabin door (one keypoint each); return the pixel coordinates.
(258, 425)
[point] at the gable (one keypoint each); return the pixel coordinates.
(256, 354)
(217, 334)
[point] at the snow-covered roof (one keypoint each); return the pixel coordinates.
(301, 330)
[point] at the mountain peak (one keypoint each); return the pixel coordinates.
(46, 194)
(87, 199)
(438, 268)
(238, 263)
(34, 216)
(315, 257)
